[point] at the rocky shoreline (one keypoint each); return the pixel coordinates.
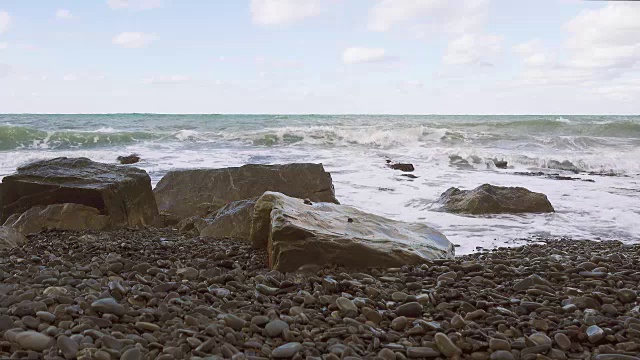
(163, 294)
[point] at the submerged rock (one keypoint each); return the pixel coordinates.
(500, 164)
(489, 199)
(58, 217)
(122, 193)
(297, 234)
(402, 167)
(200, 192)
(10, 238)
(129, 159)
(565, 165)
(459, 162)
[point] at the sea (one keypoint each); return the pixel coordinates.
(601, 155)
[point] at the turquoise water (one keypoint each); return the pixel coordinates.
(354, 148)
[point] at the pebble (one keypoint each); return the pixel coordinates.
(540, 339)
(132, 354)
(68, 347)
(563, 341)
(287, 350)
(412, 309)
(499, 344)
(502, 355)
(594, 333)
(346, 305)
(108, 306)
(234, 322)
(399, 323)
(33, 340)
(446, 346)
(275, 328)
(422, 352)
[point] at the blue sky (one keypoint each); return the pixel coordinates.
(320, 56)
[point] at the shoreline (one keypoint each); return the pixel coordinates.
(179, 296)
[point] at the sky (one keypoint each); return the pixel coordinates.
(320, 56)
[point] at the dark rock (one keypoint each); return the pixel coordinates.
(232, 220)
(489, 199)
(122, 193)
(500, 164)
(59, 217)
(129, 159)
(200, 192)
(459, 162)
(410, 176)
(402, 167)
(566, 165)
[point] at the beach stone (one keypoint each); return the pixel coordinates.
(188, 273)
(530, 282)
(132, 354)
(287, 350)
(346, 305)
(614, 357)
(540, 339)
(421, 352)
(446, 346)
(563, 341)
(211, 189)
(387, 354)
(626, 295)
(146, 326)
(121, 192)
(594, 333)
(499, 344)
(68, 347)
(399, 323)
(275, 328)
(234, 322)
(33, 340)
(6, 323)
(502, 355)
(412, 309)
(298, 234)
(108, 306)
(490, 199)
(10, 237)
(46, 316)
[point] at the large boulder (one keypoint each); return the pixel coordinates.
(122, 193)
(232, 220)
(198, 192)
(58, 217)
(10, 238)
(296, 232)
(489, 199)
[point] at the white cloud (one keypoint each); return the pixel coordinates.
(70, 77)
(472, 49)
(134, 4)
(282, 12)
(355, 55)
(63, 14)
(167, 80)
(5, 20)
(3, 46)
(132, 40)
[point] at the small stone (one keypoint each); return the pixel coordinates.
(563, 341)
(387, 354)
(260, 320)
(422, 352)
(234, 322)
(33, 340)
(146, 326)
(627, 295)
(286, 350)
(6, 323)
(594, 333)
(502, 355)
(457, 322)
(446, 346)
(540, 339)
(132, 354)
(398, 296)
(399, 323)
(412, 309)
(68, 347)
(346, 305)
(275, 328)
(46, 316)
(499, 344)
(108, 306)
(188, 273)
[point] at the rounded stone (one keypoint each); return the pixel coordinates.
(412, 309)
(68, 347)
(502, 355)
(33, 340)
(234, 322)
(346, 305)
(446, 346)
(563, 341)
(287, 350)
(275, 328)
(132, 354)
(108, 306)
(399, 323)
(540, 339)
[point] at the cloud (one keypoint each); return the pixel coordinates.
(472, 49)
(70, 77)
(134, 4)
(63, 14)
(5, 20)
(132, 40)
(167, 80)
(3, 46)
(283, 12)
(355, 55)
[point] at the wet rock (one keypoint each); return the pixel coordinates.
(232, 220)
(402, 167)
(490, 199)
(129, 159)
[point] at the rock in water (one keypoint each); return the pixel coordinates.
(129, 159)
(566, 165)
(59, 217)
(489, 199)
(122, 193)
(402, 167)
(199, 192)
(296, 234)
(10, 238)
(232, 220)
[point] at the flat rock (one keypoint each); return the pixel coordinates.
(297, 234)
(286, 350)
(198, 192)
(33, 340)
(490, 199)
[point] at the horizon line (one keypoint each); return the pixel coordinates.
(326, 114)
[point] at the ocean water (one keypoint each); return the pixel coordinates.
(354, 148)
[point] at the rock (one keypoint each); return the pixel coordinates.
(6, 323)
(500, 164)
(122, 193)
(624, 295)
(209, 190)
(530, 282)
(297, 234)
(402, 167)
(446, 346)
(66, 216)
(129, 159)
(275, 327)
(489, 199)
(499, 344)
(345, 305)
(10, 238)
(68, 347)
(459, 162)
(188, 273)
(108, 306)
(412, 309)
(614, 357)
(422, 352)
(132, 354)
(232, 220)
(540, 339)
(234, 322)
(399, 323)
(502, 355)
(563, 341)
(566, 165)
(286, 350)
(594, 333)
(33, 340)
